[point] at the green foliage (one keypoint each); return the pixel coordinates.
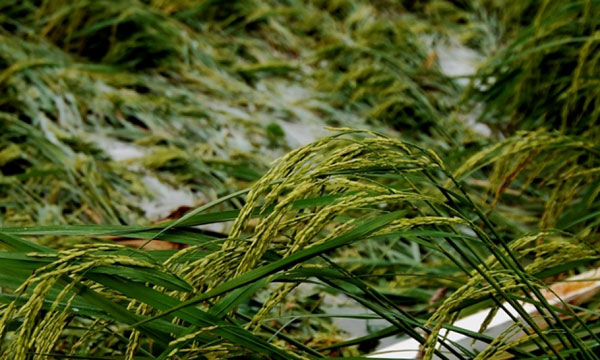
(546, 76)
(327, 195)
(197, 83)
(206, 94)
(112, 32)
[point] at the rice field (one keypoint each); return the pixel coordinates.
(299, 179)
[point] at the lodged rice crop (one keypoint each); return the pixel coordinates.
(545, 76)
(169, 188)
(202, 95)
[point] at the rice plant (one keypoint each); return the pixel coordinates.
(417, 219)
(316, 200)
(546, 75)
(191, 89)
